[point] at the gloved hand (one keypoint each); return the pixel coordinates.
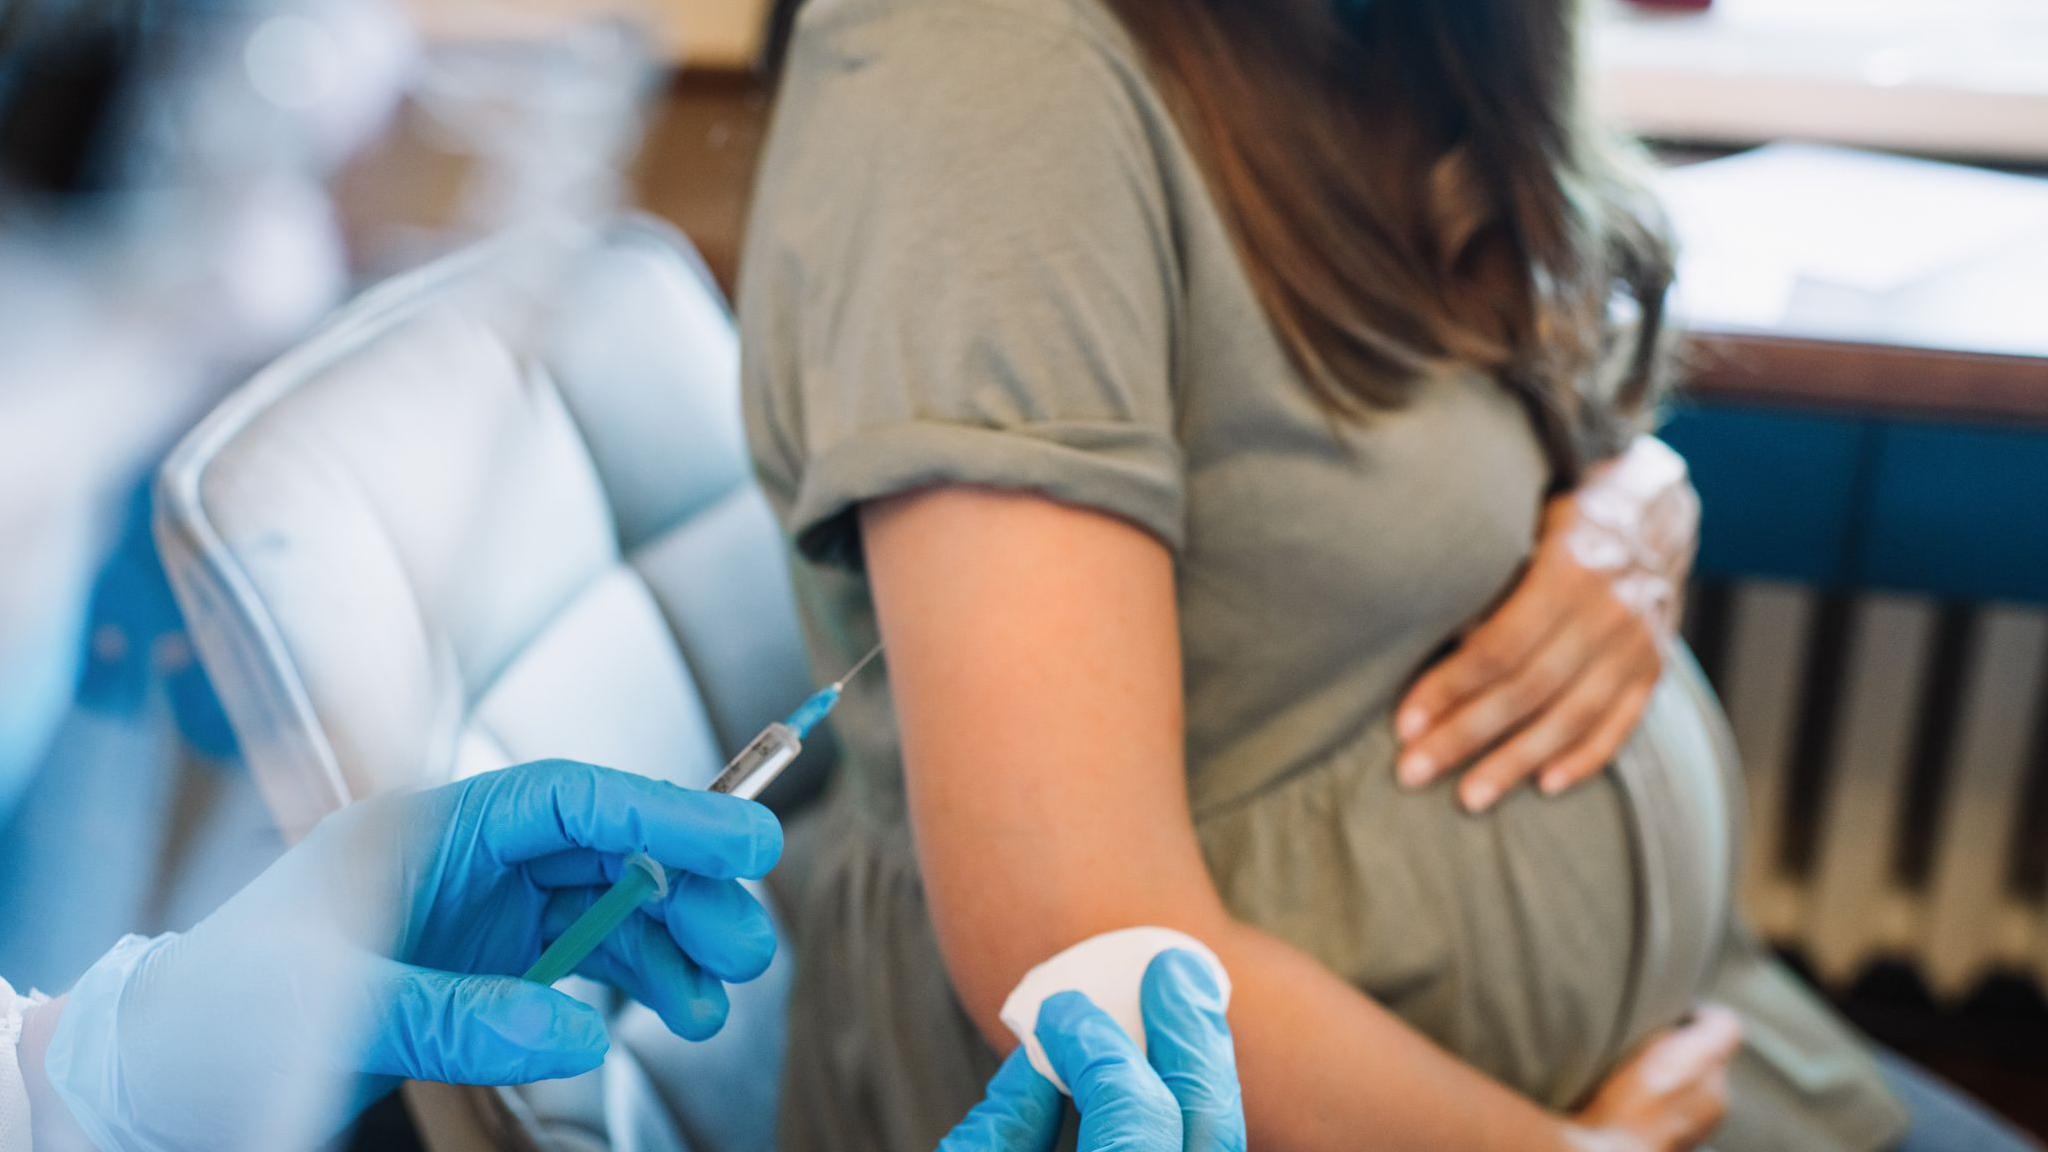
(387, 945)
(1185, 1097)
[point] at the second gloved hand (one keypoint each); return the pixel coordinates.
(1181, 1093)
(387, 945)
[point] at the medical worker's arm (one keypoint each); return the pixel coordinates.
(387, 946)
(1550, 682)
(1035, 664)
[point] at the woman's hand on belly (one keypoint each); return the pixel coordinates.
(1552, 682)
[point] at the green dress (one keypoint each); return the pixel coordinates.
(981, 254)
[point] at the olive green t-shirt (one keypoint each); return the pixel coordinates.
(981, 254)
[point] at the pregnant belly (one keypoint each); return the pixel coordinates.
(1508, 938)
(1678, 778)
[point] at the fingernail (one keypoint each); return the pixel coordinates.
(753, 945)
(1411, 723)
(767, 843)
(547, 1024)
(1415, 769)
(704, 1017)
(587, 1034)
(1479, 797)
(1551, 783)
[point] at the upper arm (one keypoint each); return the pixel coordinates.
(959, 315)
(1034, 659)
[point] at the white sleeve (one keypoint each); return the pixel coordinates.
(15, 1135)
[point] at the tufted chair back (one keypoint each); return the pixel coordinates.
(449, 533)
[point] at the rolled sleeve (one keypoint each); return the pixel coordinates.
(992, 304)
(1123, 469)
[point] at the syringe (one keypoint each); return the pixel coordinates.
(746, 776)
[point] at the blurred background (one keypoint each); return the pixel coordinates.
(1860, 188)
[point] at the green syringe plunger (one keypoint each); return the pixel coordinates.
(642, 881)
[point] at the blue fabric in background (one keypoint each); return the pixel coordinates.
(140, 817)
(1958, 512)
(137, 642)
(1943, 1118)
(1948, 511)
(1778, 491)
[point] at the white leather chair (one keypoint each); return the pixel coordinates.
(421, 546)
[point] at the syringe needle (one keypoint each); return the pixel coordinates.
(858, 665)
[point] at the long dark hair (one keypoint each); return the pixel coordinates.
(1413, 182)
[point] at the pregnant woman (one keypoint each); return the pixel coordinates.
(1206, 400)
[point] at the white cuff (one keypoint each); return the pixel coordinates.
(1110, 970)
(15, 1134)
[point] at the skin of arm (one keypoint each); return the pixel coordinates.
(1034, 657)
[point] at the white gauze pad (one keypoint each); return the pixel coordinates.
(1110, 970)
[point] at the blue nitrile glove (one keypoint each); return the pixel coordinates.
(1185, 1097)
(386, 945)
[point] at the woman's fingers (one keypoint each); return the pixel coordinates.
(1490, 653)
(1593, 754)
(1673, 1092)
(1508, 704)
(1688, 1056)
(1592, 712)
(1688, 1073)
(1564, 721)
(1700, 1109)
(1552, 682)
(1560, 716)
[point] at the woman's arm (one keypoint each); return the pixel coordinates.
(1034, 657)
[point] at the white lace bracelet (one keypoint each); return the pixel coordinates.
(15, 1134)
(1639, 519)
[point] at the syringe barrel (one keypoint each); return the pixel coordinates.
(745, 776)
(759, 763)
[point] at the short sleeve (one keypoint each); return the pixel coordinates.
(960, 271)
